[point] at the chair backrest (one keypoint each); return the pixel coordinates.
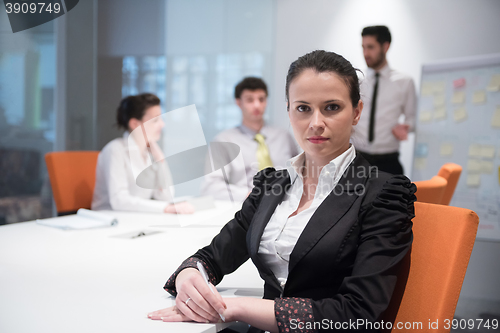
(72, 177)
(432, 190)
(443, 238)
(451, 172)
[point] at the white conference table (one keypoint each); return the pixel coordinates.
(58, 281)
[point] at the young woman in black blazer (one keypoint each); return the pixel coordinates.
(347, 246)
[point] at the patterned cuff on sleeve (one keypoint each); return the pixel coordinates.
(293, 313)
(190, 262)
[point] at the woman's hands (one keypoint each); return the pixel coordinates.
(171, 314)
(195, 301)
(202, 305)
(179, 208)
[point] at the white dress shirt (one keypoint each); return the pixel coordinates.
(281, 147)
(115, 184)
(396, 96)
(282, 232)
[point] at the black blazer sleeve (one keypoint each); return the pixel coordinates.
(379, 240)
(228, 250)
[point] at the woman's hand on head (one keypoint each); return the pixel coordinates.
(156, 151)
(179, 208)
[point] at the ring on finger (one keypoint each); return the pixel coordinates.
(186, 302)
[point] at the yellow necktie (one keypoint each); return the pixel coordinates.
(262, 152)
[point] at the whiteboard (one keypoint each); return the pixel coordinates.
(459, 121)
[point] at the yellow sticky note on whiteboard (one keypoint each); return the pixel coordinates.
(440, 113)
(427, 88)
(446, 149)
(460, 114)
(475, 150)
(494, 84)
(439, 87)
(420, 163)
(439, 100)
(495, 121)
(479, 97)
(487, 167)
(473, 180)
(458, 97)
(488, 151)
(474, 166)
(425, 116)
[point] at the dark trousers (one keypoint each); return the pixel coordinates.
(385, 162)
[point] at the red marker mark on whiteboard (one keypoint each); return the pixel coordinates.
(459, 83)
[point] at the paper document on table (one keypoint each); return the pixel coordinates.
(83, 219)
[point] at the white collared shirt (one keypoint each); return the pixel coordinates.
(395, 96)
(115, 183)
(239, 172)
(282, 232)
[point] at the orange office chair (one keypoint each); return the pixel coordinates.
(72, 177)
(451, 172)
(432, 190)
(443, 238)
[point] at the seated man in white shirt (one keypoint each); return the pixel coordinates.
(261, 146)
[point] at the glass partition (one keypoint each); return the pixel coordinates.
(27, 120)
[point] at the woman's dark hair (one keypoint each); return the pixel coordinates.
(134, 107)
(323, 61)
(250, 83)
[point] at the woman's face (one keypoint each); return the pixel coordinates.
(153, 122)
(321, 114)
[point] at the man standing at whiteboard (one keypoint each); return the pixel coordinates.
(387, 94)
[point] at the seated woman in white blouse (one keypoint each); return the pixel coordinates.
(115, 186)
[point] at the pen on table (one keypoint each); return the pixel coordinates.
(205, 277)
(139, 235)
